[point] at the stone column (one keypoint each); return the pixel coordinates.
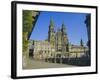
(88, 26)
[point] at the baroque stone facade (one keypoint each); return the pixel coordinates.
(57, 45)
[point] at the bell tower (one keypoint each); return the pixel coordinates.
(64, 38)
(51, 33)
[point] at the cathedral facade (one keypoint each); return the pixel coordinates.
(57, 45)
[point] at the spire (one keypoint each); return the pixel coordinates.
(81, 42)
(51, 32)
(63, 25)
(51, 22)
(63, 28)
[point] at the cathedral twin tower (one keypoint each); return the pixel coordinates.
(58, 39)
(57, 45)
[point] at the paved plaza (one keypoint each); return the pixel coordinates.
(33, 64)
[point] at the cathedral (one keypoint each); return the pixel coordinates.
(57, 45)
(58, 38)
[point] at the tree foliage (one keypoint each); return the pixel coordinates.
(27, 20)
(27, 26)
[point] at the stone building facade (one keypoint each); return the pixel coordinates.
(42, 49)
(57, 45)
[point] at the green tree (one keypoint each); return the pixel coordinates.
(27, 26)
(29, 19)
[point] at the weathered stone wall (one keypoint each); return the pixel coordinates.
(29, 20)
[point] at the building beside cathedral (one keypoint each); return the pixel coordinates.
(57, 45)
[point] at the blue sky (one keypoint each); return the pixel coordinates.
(74, 22)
